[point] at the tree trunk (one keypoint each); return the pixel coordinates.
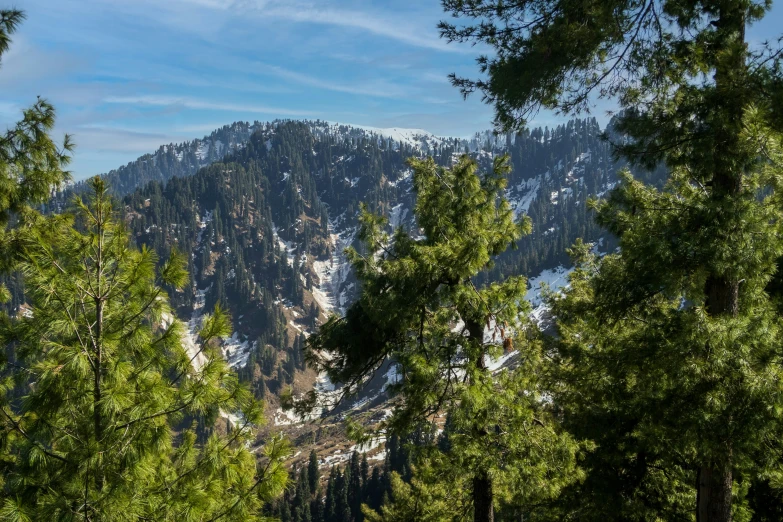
(483, 510)
(99, 309)
(713, 496)
(97, 371)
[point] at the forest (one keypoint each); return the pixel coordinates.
(304, 321)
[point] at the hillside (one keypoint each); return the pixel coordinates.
(266, 226)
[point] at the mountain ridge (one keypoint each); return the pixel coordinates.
(186, 157)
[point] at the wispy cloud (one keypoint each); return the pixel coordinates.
(128, 76)
(378, 88)
(191, 103)
(113, 139)
(206, 128)
(384, 24)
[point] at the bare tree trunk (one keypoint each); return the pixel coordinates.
(99, 299)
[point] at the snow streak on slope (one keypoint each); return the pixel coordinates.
(522, 195)
(554, 279)
(190, 339)
(288, 247)
(397, 215)
(329, 292)
(236, 351)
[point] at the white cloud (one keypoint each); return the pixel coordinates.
(113, 139)
(384, 25)
(380, 88)
(206, 128)
(191, 103)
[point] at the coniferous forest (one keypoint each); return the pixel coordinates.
(307, 321)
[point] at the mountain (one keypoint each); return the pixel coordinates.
(265, 211)
(266, 225)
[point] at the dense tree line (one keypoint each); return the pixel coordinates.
(665, 370)
(658, 398)
(346, 493)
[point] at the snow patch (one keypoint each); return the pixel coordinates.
(332, 274)
(397, 216)
(522, 195)
(554, 278)
(289, 247)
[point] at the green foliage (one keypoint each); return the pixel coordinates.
(31, 163)
(654, 57)
(425, 498)
(99, 406)
(685, 385)
(420, 309)
(9, 21)
(672, 342)
(415, 290)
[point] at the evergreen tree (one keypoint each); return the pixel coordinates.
(31, 163)
(425, 498)
(420, 308)
(313, 473)
(355, 487)
(694, 332)
(101, 380)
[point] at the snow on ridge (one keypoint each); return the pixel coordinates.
(418, 138)
(202, 150)
(413, 137)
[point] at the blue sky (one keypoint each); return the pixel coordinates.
(129, 75)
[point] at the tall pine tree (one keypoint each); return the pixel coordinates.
(101, 402)
(420, 308)
(687, 332)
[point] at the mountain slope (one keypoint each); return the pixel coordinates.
(267, 225)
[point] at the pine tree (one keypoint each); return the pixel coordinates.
(420, 308)
(313, 473)
(425, 499)
(355, 487)
(31, 163)
(100, 382)
(697, 254)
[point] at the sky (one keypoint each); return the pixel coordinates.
(127, 76)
